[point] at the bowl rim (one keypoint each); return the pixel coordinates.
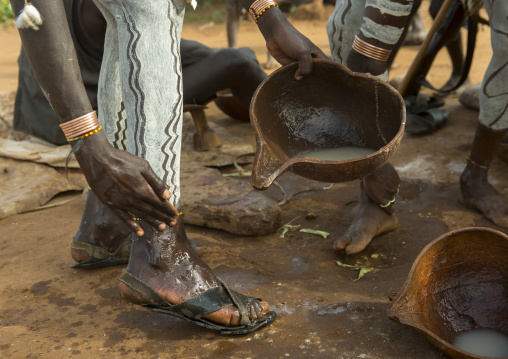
(390, 88)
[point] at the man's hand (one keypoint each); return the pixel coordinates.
(286, 44)
(126, 184)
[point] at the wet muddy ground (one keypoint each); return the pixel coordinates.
(49, 310)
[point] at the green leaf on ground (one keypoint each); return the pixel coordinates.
(286, 228)
(238, 174)
(313, 231)
(340, 264)
(363, 270)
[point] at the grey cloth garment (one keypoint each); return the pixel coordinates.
(494, 90)
(32, 112)
(140, 85)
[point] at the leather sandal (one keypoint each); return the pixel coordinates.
(193, 310)
(100, 257)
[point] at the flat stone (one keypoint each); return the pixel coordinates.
(214, 201)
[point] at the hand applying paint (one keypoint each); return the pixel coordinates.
(122, 181)
(126, 184)
(285, 43)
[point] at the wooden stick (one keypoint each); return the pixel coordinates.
(419, 56)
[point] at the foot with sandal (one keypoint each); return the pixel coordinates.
(157, 276)
(130, 155)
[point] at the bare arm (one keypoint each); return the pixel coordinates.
(122, 181)
(51, 54)
(285, 43)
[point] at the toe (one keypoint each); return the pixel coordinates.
(355, 248)
(263, 307)
(340, 244)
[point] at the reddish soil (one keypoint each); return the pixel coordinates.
(52, 311)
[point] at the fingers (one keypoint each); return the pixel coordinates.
(160, 209)
(304, 65)
(168, 210)
(156, 183)
(147, 210)
(126, 218)
(305, 61)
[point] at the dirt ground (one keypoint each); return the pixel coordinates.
(52, 311)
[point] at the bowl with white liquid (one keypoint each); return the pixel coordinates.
(456, 294)
(331, 126)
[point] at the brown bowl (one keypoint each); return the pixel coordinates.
(458, 282)
(332, 107)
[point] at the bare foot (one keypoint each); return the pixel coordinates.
(370, 220)
(166, 262)
(100, 227)
(480, 195)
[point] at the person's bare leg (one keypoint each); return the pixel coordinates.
(493, 124)
(476, 191)
(235, 69)
(232, 22)
(100, 227)
(166, 262)
(163, 260)
(375, 212)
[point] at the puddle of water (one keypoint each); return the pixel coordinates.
(298, 266)
(279, 309)
(339, 308)
(331, 309)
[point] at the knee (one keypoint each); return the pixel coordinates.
(238, 60)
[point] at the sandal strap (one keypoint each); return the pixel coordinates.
(101, 253)
(151, 297)
(198, 306)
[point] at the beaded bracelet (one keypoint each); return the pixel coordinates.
(81, 126)
(263, 11)
(259, 7)
(483, 167)
(85, 135)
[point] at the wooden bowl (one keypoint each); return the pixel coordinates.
(332, 107)
(458, 282)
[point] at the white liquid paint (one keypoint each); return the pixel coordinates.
(483, 342)
(338, 154)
